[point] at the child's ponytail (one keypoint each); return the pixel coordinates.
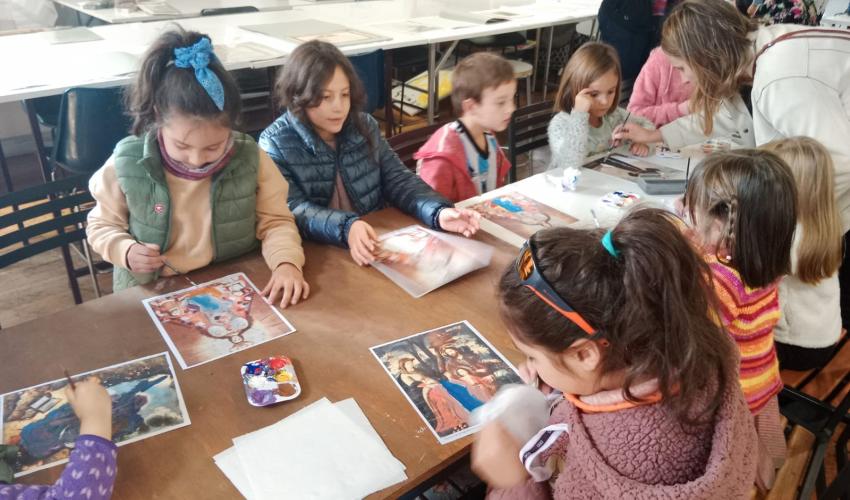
(664, 327)
(163, 86)
(646, 290)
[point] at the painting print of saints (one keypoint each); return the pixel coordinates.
(214, 319)
(445, 374)
(146, 401)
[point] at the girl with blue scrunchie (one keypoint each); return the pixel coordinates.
(186, 189)
(337, 164)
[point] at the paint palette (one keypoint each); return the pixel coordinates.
(270, 381)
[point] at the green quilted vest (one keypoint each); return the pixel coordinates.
(233, 200)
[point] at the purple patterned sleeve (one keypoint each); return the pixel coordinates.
(89, 475)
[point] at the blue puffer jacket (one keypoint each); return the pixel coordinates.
(372, 180)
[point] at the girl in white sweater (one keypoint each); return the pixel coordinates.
(587, 105)
(809, 297)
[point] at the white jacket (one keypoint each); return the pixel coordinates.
(811, 314)
(732, 121)
(802, 87)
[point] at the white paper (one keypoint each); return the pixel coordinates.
(322, 451)
(230, 465)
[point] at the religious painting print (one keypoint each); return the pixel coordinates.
(446, 373)
(520, 214)
(215, 319)
(39, 420)
(420, 260)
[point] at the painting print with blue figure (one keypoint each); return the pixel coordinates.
(519, 214)
(39, 420)
(215, 319)
(446, 373)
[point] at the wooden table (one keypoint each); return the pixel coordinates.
(350, 310)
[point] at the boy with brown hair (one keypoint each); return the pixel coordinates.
(463, 158)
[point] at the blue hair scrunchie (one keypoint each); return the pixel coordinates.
(198, 56)
(608, 243)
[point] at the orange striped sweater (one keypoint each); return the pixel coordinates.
(749, 315)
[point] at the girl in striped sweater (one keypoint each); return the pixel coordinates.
(743, 208)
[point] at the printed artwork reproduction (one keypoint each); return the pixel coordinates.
(445, 374)
(215, 319)
(39, 420)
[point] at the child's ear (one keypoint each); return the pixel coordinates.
(468, 105)
(584, 354)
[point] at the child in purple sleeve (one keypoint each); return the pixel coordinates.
(90, 473)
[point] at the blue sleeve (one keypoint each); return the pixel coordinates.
(402, 188)
(315, 222)
(90, 474)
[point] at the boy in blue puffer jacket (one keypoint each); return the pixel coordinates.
(337, 164)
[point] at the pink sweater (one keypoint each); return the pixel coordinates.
(644, 453)
(659, 90)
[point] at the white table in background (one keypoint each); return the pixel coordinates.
(186, 8)
(35, 68)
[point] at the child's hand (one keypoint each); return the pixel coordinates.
(93, 407)
(635, 133)
(529, 375)
(639, 149)
(459, 220)
(144, 258)
(583, 100)
(495, 457)
(289, 282)
(362, 242)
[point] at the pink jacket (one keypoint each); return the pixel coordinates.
(644, 453)
(442, 165)
(659, 90)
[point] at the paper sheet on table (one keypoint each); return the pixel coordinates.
(246, 52)
(228, 462)
(71, 35)
(59, 68)
(311, 29)
(344, 458)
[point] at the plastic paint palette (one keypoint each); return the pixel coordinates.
(270, 381)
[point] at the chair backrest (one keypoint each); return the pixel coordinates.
(407, 144)
(370, 69)
(91, 122)
(528, 130)
(220, 11)
(47, 216)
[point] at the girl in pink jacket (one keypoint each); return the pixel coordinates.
(649, 406)
(659, 94)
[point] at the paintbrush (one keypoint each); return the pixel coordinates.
(178, 273)
(68, 377)
(169, 266)
(613, 143)
(687, 174)
(595, 219)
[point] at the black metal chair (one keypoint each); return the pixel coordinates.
(49, 216)
(91, 122)
(821, 419)
(528, 131)
(407, 144)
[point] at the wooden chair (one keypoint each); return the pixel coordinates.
(407, 144)
(49, 216)
(528, 131)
